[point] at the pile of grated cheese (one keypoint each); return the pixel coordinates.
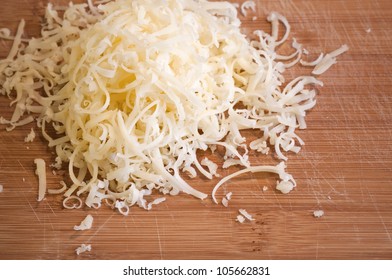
(133, 89)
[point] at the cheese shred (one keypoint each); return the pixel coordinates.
(41, 173)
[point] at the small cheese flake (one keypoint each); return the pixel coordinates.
(30, 137)
(254, 18)
(265, 188)
(212, 168)
(83, 248)
(225, 202)
(368, 30)
(155, 202)
(41, 173)
(87, 223)
(246, 214)
(229, 195)
(318, 213)
(246, 6)
(240, 219)
(285, 186)
(1, 188)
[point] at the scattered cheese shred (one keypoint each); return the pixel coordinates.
(30, 137)
(1, 188)
(87, 223)
(328, 60)
(60, 190)
(41, 173)
(72, 202)
(246, 6)
(287, 179)
(240, 219)
(318, 213)
(82, 249)
(135, 89)
(244, 213)
(155, 202)
(225, 202)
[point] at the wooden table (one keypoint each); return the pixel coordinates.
(344, 168)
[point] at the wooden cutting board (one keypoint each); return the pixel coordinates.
(344, 168)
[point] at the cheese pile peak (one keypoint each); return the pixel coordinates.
(133, 89)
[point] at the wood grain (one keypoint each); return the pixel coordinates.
(344, 168)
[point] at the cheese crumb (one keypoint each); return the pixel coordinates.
(246, 214)
(265, 188)
(285, 186)
(83, 248)
(30, 137)
(240, 219)
(318, 213)
(1, 188)
(87, 223)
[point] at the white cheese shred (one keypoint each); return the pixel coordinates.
(60, 190)
(72, 202)
(133, 90)
(240, 219)
(328, 60)
(278, 169)
(225, 202)
(87, 223)
(1, 188)
(82, 249)
(41, 173)
(30, 137)
(246, 6)
(244, 213)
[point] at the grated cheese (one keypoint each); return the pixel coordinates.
(225, 202)
(72, 202)
(318, 213)
(240, 219)
(30, 137)
(41, 173)
(135, 89)
(328, 60)
(248, 5)
(60, 190)
(1, 188)
(246, 214)
(87, 223)
(82, 249)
